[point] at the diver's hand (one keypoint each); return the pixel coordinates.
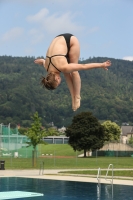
(39, 61)
(106, 64)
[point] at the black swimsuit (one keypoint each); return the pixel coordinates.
(67, 37)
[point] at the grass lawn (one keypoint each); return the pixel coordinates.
(124, 173)
(58, 150)
(63, 157)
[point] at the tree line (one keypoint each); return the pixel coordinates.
(107, 94)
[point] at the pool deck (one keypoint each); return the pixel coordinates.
(54, 175)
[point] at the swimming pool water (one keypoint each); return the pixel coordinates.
(66, 190)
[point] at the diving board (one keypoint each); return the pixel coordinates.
(18, 194)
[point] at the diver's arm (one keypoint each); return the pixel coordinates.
(68, 68)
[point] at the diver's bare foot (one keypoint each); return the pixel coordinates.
(76, 104)
(73, 105)
(77, 101)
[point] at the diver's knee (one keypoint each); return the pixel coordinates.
(75, 73)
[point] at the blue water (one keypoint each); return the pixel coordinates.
(66, 190)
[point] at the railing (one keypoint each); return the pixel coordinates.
(99, 181)
(99, 175)
(111, 180)
(99, 185)
(41, 168)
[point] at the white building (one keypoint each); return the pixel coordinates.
(126, 133)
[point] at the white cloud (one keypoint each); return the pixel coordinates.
(12, 34)
(130, 58)
(56, 23)
(39, 16)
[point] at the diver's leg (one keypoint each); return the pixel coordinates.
(74, 54)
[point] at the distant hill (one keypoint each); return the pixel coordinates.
(107, 94)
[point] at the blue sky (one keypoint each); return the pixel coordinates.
(103, 27)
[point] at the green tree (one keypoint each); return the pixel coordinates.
(22, 130)
(131, 141)
(35, 134)
(112, 131)
(85, 133)
(52, 131)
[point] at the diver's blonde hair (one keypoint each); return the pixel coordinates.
(49, 81)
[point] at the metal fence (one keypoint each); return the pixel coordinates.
(13, 144)
(113, 153)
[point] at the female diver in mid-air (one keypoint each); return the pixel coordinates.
(63, 56)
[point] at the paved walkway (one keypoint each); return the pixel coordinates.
(54, 175)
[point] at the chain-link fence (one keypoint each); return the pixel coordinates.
(13, 144)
